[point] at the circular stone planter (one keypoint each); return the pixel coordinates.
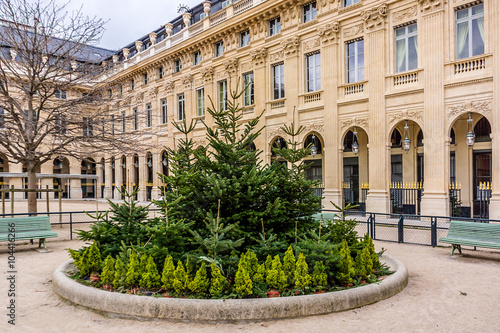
(230, 310)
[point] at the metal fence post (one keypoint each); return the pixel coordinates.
(71, 226)
(400, 229)
(434, 231)
(373, 225)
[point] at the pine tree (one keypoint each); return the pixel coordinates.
(289, 264)
(319, 276)
(218, 282)
(108, 272)
(133, 271)
(200, 283)
(167, 276)
(302, 279)
(120, 274)
(150, 278)
(180, 278)
(242, 281)
(346, 270)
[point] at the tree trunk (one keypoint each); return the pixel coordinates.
(32, 207)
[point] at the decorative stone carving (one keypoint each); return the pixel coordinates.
(329, 32)
(169, 27)
(353, 31)
(259, 57)
(482, 107)
(290, 46)
(74, 64)
(375, 18)
(405, 14)
(207, 7)
(231, 66)
(318, 128)
(128, 100)
(116, 58)
(273, 57)
(126, 53)
(169, 87)
(246, 67)
(221, 75)
(276, 132)
(187, 81)
(138, 46)
(416, 116)
(198, 81)
(139, 97)
(430, 5)
(152, 38)
(153, 93)
(207, 73)
(311, 44)
(360, 122)
(13, 54)
(186, 17)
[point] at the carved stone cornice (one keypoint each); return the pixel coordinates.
(290, 46)
(362, 122)
(246, 67)
(231, 66)
(259, 57)
(329, 32)
(311, 44)
(415, 116)
(404, 15)
(187, 81)
(276, 56)
(207, 73)
(354, 31)
(375, 18)
(481, 107)
(153, 93)
(318, 128)
(169, 87)
(429, 6)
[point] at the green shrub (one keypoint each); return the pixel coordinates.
(360, 266)
(260, 275)
(218, 282)
(94, 259)
(319, 277)
(167, 275)
(346, 271)
(180, 278)
(108, 272)
(150, 278)
(289, 264)
(120, 274)
(373, 255)
(302, 279)
(242, 281)
(367, 260)
(200, 283)
(133, 271)
(276, 277)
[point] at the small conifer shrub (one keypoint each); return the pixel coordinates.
(108, 272)
(167, 276)
(302, 279)
(218, 282)
(200, 283)
(133, 271)
(150, 278)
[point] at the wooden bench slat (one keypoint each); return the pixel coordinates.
(29, 227)
(472, 234)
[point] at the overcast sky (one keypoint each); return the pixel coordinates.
(129, 20)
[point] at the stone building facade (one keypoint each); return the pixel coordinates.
(387, 92)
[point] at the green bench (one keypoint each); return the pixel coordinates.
(28, 227)
(485, 235)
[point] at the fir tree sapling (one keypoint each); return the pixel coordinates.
(150, 278)
(108, 272)
(302, 279)
(180, 278)
(242, 281)
(167, 276)
(218, 283)
(346, 271)
(260, 275)
(319, 276)
(276, 277)
(120, 274)
(133, 272)
(289, 264)
(371, 247)
(367, 260)
(359, 266)
(142, 264)
(200, 283)
(268, 263)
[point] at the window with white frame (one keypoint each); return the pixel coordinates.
(244, 38)
(149, 116)
(309, 12)
(2, 118)
(60, 94)
(88, 127)
(61, 124)
(278, 73)
(136, 119)
(145, 78)
(124, 122)
(406, 48)
(200, 101)
(349, 2)
(222, 93)
(161, 73)
(177, 65)
(132, 84)
(313, 72)
(470, 31)
(112, 124)
(248, 94)
(163, 111)
(225, 3)
(274, 26)
(181, 104)
(219, 48)
(355, 61)
(196, 58)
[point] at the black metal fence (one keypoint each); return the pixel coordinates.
(406, 197)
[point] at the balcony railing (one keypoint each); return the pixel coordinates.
(405, 78)
(470, 65)
(218, 17)
(242, 6)
(355, 88)
(312, 97)
(278, 104)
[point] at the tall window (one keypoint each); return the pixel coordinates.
(309, 12)
(248, 94)
(349, 2)
(124, 122)
(2, 118)
(274, 26)
(60, 94)
(160, 72)
(470, 31)
(355, 61)
(197, 58)
(180, 107)
(222, 92)
(200, 101)
(136, 119)
(164, 111)
(278, 81)
(244, 38)
(121, 89)
(145, 76)
(219, 49)
(112, 124)
(406, 48)
(177, 65)
(313, 72)
(132, 84)
(61, 123)
(88, 127)
(149, 117)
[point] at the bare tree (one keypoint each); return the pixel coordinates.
(54, 100)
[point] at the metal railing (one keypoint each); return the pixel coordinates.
(406, 197)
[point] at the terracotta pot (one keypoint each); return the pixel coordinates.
(319, 292)
(273, 293)
(95, 279)
(107, 287)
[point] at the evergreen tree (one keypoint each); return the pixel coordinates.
(359, 266)
(133, 271)
(167, 276)
(275, 277)
(242, 281)
(302, 279)
(108, 272)
(200, 283)
(346, 270)
(289, 264)
(120, 274)
(319, 276)
(218, 282)
(180, 278)
(260, 275)
(368, 241)
(150, 277)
